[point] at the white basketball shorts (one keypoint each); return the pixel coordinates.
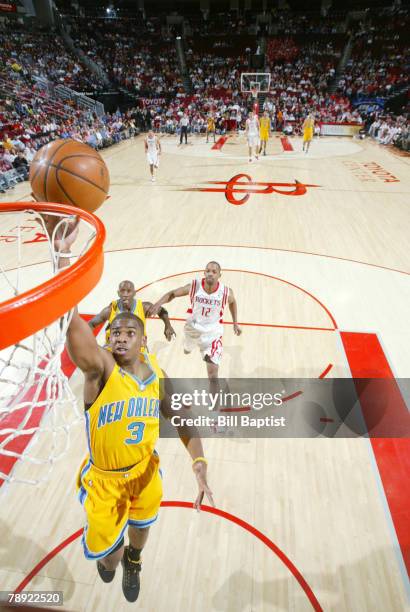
(153, 159)
(209, 342)
(253, 140)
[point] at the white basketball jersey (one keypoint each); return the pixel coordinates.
(152, 145)
(206, 309)
(252, 126)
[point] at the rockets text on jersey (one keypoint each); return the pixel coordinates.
(206, 309)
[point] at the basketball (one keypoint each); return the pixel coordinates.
(69, 172)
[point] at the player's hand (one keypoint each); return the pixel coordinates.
(153, 310)
(237, 330)
(63, 230)
(169, 332)
(203, 490)
(65, 238)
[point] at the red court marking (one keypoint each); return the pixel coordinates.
(237, 409)
(255, 274)
(243, 183)
(220, 143)
(326, 420)
(286, 146)
(326, 371)
(260, 248)
(220, 513)
(53, 553)
(284, 399)
(304, 327)
(289, 397)
(237, 246)
(367, 360)
(12, 420)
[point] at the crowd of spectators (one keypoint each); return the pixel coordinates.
(389, 130)
(27, 123)
(37, 54)
(380, 56)
(140, 55)
(374, 78)
(301, 70)
(230, 112)
(300, 80)
(214, 75)
(288, 23)
(31, 115)
(203, 24)
(17, 150)
(136, 55)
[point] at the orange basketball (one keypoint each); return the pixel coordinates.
(69, 172)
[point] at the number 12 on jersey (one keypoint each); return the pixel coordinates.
(205, 311)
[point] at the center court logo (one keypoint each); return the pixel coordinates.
(243, 184)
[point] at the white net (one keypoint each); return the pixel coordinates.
(38, 409)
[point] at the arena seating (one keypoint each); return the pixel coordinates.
(133, 54)
(139, 55)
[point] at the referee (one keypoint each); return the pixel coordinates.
(184, 122)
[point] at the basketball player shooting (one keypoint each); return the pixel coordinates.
(252, 134)
(153, 151)
(119, 481)
(127, 302)
(203, 326)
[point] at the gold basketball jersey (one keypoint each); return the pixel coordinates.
(264, 123)
(137, 308)
(122, 424)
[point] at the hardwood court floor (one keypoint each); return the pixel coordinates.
(311, 274)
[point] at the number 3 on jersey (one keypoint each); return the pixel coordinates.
(137, 432)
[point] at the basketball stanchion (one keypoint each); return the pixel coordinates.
(37, 406)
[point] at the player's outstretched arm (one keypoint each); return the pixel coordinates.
(102, 317)
(168, 297)
(189, 436)
(83, 348)
(81, 344)
(169, 331)
(234, 313)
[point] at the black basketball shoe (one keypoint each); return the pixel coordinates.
(105, 575)
(130, 577)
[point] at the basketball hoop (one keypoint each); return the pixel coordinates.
(35, 304)
(255, 80)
